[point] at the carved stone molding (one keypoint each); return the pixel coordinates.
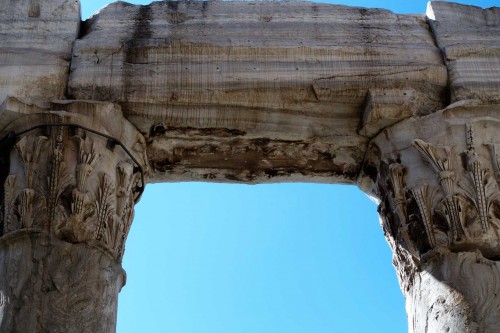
(72, 172)
(436, 179)
(72, 175)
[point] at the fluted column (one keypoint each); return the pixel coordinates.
(71, 174)
(437, 179)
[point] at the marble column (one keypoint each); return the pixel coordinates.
(437, 180)
(71, 173)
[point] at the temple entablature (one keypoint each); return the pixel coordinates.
(404, 106)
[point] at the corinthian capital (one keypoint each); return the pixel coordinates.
(71, 169)
(436, 178)
(436, 181)
(71, 173)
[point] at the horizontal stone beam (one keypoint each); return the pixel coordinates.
(258, 91)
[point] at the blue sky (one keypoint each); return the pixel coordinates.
(294, 258)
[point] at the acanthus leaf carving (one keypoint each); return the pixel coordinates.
(54, 177)
(10, 220)
(125, 175)
(58, 181)
(25, 207)
(29, 149)
(451, 187)
(495, 160)
(423, 200)
(76, 228)
(80, 208)
(105, 210)
(444, 169)
(30, 203)
(127, 180)
(453, 212)
(429, 152)
(483, 190)
(397, 174)
(87, 160)
(77, 204)
(456, 208)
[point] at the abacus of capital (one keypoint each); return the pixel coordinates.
(404, 106)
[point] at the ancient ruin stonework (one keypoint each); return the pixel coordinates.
(440, 211)
(72, 172)
(404, 106)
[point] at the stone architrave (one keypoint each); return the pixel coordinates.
(72, 172)
(223, 91)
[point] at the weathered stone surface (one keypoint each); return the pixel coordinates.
(74, 169)
(49, 285)
(36, 40)
(449, 159)
(455, 292)
(258, 91)
(71, 174)
(468, 38)
(246, 92)
(437, 181)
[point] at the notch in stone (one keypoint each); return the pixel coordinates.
(111, 144)
(73, 130)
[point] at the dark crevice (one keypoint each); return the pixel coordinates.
(446, 92)
(85, 27)
(6, 145)
(487, 252)
(159, 130)
(493, 258)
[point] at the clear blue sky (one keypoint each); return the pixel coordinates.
(284, 258)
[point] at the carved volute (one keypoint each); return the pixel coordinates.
(72, 172)
(436, 178)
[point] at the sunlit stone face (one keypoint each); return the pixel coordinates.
(3, 302)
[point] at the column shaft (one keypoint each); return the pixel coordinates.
(72, 172)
